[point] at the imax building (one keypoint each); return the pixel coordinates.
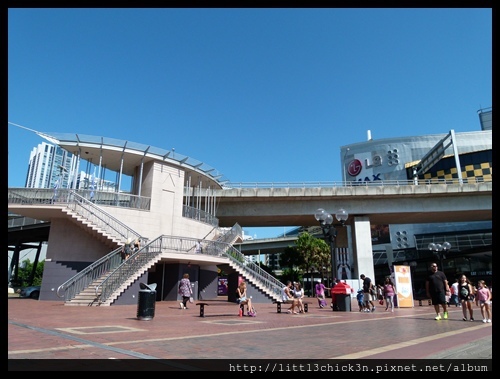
(434, 158)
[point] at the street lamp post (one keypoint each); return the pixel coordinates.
(440, 251)
(329, 232)
(413, 266)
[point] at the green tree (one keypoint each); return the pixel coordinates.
(26, 269)
(291, 275)
(324, 258)
(314, 252)
(290, 260)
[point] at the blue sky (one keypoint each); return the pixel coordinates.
(262, 95)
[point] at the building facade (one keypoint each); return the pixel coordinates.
(423, 159)
(48, 167)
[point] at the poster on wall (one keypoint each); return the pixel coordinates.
(402, 276)
(380, 234)
(222, 286)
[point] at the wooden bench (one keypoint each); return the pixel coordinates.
(202, 307)
(279, 302)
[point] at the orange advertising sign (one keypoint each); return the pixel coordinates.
(402, 276)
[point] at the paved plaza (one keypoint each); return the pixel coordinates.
(72, 335)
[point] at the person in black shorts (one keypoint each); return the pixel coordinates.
(466, 297)
(436, 287)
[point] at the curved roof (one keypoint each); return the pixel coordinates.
(92, 148)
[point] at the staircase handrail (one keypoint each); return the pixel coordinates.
(102, 219)
(150, 253)
(199, 215)
(271, 285)
(85, 277)
(103, 198)
(76, 203)
(137, 262)
(232, 235)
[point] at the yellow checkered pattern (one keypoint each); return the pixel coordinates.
(483, 170)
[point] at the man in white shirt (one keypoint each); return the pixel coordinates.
(454, 294)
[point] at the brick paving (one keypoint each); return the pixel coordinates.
(49, 330)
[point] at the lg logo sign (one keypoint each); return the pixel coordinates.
(354, 167)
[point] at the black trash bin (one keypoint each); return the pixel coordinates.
(146, 301)
(342, 292)
(344, 302)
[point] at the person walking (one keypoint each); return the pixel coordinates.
(185, 290)
(198, 249)
(454, 294)
(359, 298)
(436, 288)
(137, 245)
(380, 293)
(466, 297)
(368, 290)
(389, 292)
(127, 249)
(483, 297)
(320, 293)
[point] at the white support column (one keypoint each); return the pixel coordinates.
(457, 156)
(362, 237)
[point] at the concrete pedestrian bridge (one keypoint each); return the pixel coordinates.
(383, 203)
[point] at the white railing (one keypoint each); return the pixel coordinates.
(322, 184)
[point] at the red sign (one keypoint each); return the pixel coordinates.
(354, 167)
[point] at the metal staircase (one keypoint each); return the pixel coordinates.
(112, 282)
(83, 212)
(104, 280)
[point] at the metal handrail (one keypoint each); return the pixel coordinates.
(328, 184)
(90, 212)
(107, 264)
(262, 279)
(78, 204)
(89, 274)
(199, 215)
(148, 255)
(102, 219)
(48, 195)
(232, 235)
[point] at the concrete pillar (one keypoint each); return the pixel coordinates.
(363, 251)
